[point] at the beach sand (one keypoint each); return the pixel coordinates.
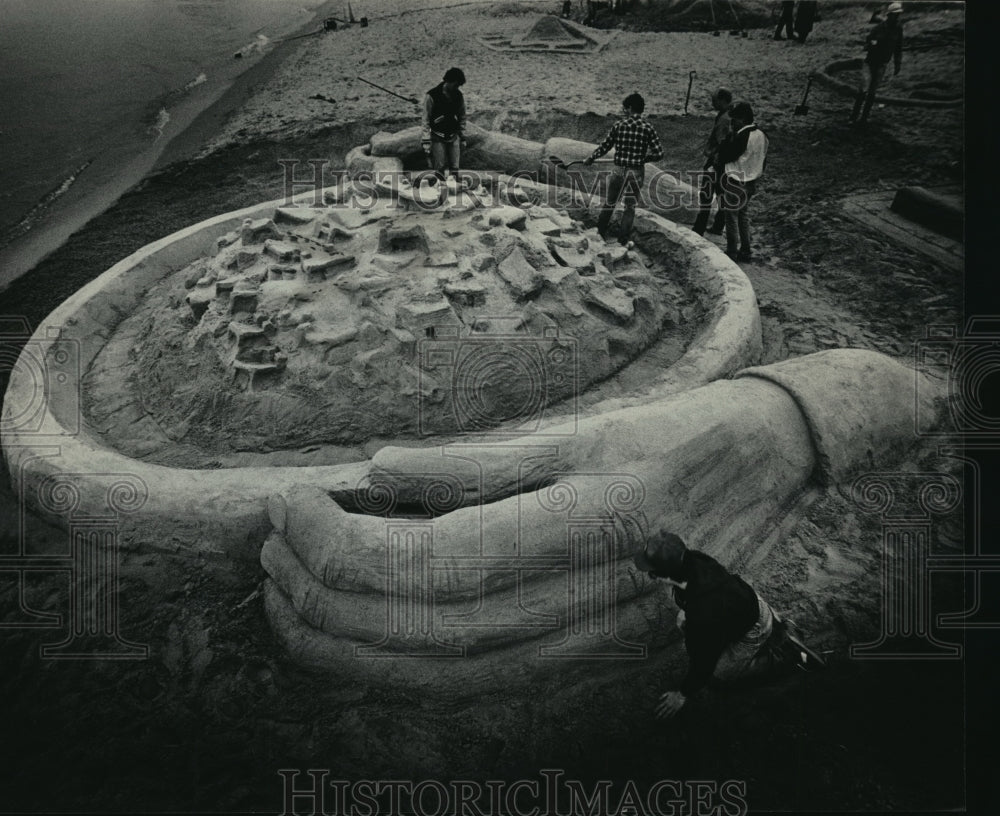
(208, 720)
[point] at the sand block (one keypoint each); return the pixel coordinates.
(256, 230)
(243, 300)
(520, 275)
(507, 216)
(575, 257)
(466, 293)
(199, 299)
(243, 333)
(610, 299)
(294, 215)
(282, 250)
(403, 239)
(418, 317)
(441, 259)
(246, 258)
(325, 265)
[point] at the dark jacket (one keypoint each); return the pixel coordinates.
(444, 117)
(885, 43)
(720, 609)
(721, 130)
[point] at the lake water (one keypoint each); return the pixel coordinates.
(90, 90)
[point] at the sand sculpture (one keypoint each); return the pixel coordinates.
(408, 316)
(513, 559)
(510, 551)
(551, 35)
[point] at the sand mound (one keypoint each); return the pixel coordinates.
(370, 319)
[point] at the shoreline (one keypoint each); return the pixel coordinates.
(193, 123)
(211, 119)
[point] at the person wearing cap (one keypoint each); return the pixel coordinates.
(883, 44)
(744, 155)
(444, 123)
(730, 632)
(635, 143)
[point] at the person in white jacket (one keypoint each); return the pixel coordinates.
(744, 154)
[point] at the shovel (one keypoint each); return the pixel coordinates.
(560, 163)
(803, 109)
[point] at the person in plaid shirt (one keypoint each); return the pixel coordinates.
(635, 143)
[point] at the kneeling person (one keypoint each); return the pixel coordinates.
(730, 632)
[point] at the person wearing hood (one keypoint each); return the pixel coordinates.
(743, 154)
(730, 632)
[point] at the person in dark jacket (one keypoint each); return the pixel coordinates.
(730, 632)
(444, 123)
(885, 43)
(805, 15)
(786, 20)
(711, 174)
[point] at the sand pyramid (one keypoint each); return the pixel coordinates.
(551, 35)
(550, 29)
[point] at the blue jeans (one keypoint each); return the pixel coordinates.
(623, 180)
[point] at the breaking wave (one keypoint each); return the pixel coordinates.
(46, 201)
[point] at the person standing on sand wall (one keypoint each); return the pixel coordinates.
(731, 633)
(884, 43)
(443, 136)
(635, 143)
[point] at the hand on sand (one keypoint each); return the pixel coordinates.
(670, 703)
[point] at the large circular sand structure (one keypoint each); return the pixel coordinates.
(441, 417)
